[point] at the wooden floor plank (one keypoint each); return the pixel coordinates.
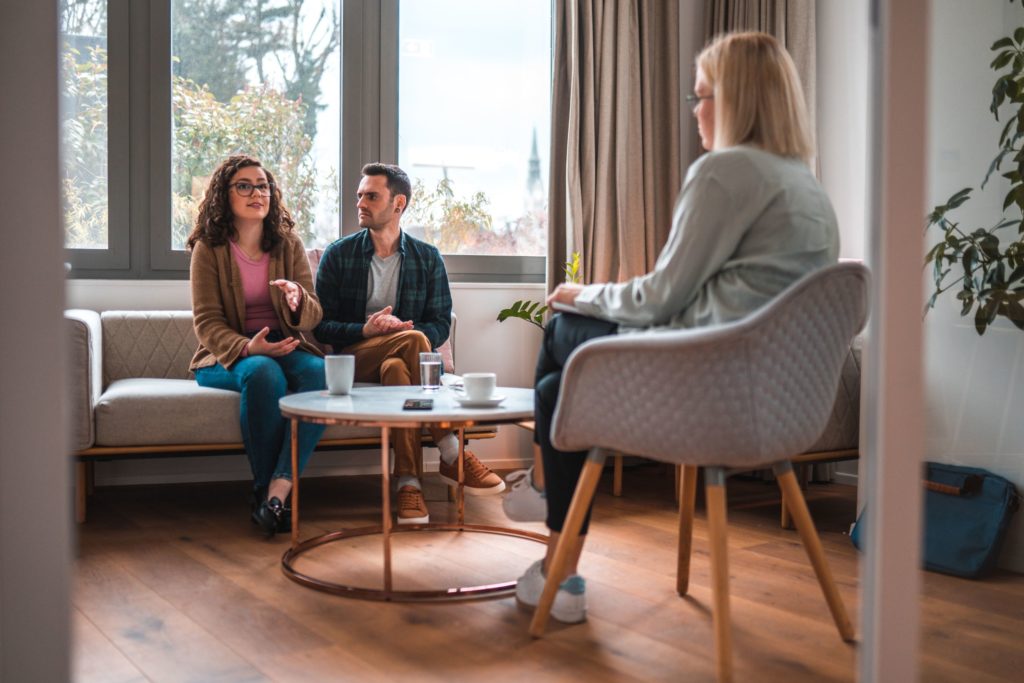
(95, 659)
(173, 583)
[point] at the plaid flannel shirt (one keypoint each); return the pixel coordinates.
(341, 285)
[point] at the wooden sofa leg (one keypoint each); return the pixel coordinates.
(685, 550)
(785, 521)
(617, 475)
(81, 474)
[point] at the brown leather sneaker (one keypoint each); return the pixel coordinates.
(412, 509)
(478, 479)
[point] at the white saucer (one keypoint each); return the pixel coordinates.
(467, 402)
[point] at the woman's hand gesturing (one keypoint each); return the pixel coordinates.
(292, 293)
(259, 346)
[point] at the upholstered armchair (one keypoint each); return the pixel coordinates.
(748, 394)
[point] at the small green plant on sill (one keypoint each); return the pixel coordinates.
(989, 271)
(533, 311)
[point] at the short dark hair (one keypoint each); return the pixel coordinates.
(398, 180)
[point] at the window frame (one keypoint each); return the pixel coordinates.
(140, 146)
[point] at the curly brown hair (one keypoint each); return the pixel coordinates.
(215, 222)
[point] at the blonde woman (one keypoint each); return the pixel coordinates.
(254, 309)
(750, 220)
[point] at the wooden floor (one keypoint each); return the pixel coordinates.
(172, 583)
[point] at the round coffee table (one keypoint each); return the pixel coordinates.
(380, 406)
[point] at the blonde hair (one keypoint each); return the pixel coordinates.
(757, 95)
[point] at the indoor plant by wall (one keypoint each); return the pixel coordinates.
(533, 311)
(988, 270)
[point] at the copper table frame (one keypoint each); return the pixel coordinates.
(389, 593)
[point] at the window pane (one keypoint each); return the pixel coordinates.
(474, 122)
(83, 40)
(260, 78)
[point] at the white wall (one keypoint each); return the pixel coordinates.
(482, 344)
(842, 132)
(842, 105)
(975, 385)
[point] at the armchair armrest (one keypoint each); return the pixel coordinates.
(85, 374)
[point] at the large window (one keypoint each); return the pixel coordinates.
(260, 78)
(474, 122)
(84, 109)
(157, 93)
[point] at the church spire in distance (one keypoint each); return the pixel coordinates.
(535, 191)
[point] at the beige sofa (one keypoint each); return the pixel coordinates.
(131, 395)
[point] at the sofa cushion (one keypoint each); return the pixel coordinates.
(147, 344)
(165, 412)
(843, 429)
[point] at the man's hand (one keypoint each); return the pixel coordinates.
(382, 322)
(292, 293)
(565, 293)
(259, 346)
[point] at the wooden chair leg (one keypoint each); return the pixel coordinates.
(617, 475)
(677, 477)
(686, 505)
(714, 482)
(581, 499)
(80, 485)
(785, 520)
(812, 545)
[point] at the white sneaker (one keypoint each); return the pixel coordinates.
(570, 605)
(523, 503)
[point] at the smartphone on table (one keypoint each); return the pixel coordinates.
(418, 404)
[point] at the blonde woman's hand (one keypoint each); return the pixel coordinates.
(565, 293)
(292, 293)
(259, 346)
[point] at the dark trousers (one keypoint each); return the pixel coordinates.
(564, 332)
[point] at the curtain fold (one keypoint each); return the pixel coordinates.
(615, 135)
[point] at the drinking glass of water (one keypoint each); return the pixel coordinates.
(430, 371)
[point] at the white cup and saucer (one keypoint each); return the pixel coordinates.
(478, 391)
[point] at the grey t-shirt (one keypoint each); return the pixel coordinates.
(382, 282)
(746, 225)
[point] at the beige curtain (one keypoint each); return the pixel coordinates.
(790, 21)
(615, 164)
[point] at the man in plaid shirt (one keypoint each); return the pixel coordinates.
(386, 299)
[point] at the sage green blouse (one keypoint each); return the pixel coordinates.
(747, 224)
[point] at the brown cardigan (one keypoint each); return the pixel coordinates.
(218, 303)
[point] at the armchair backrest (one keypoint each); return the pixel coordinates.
(743, 394)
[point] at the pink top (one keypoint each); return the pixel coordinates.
(259, 311)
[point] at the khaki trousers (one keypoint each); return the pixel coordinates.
(394, 360)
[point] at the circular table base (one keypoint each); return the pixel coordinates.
(456, 593)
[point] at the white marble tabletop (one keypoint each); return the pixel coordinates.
(384, 404)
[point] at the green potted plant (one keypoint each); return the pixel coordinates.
(984, 263)
(533, 311)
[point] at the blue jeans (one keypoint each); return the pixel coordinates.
(262, 381)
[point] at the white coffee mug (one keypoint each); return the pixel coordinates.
(479, 386)
(340, 371)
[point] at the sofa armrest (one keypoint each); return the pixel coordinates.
(85, 374)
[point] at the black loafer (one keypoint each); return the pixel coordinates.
(270, 516)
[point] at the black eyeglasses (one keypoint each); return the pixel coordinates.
(694, 100)
(245, 189)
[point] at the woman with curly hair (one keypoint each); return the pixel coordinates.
(254, 308)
